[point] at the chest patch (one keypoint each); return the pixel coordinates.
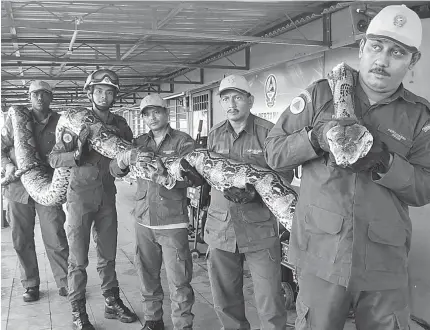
(396, 135)
(426, 128)
(168, 152)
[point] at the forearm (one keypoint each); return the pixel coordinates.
(285, 152)
(410, 183)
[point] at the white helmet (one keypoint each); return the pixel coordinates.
(102, 77)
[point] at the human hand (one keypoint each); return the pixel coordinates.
(126, 158)
(190, 174)
(10, 170)
(318, 135)
(377, 160)
(241, 196)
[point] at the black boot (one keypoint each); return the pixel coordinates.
(115, 308)
(31, 294)
(153, 325)
(80, 316)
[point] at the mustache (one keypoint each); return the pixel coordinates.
(380, 71)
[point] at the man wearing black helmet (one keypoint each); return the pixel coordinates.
(91, 200)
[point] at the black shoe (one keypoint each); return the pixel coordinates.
(80, 316)
(115, 308)
(31, 294)
(63, 291)
(153, 325)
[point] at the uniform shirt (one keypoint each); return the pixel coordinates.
(157, 206)
(44, 133)
(90, 182)
(354, 229)
(250, 227)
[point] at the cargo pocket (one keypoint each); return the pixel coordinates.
(216, 225)
(302, 315)
(386, 250)
(402, 319)
(172, 203)
(141, 206)
(322, 228)
(260, 223)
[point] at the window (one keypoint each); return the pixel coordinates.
(178, 114)
(201, 105)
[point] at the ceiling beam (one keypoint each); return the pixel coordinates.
(81, 61)
(9, 11)
(115, 41)
(157, 26)
(83, 77)
(106, 28)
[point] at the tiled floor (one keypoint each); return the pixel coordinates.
(53, 311)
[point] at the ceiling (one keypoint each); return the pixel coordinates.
(147, 43)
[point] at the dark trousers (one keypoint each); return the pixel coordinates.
(226, 276)
(51, 218)
(324, 306)
(105, 230)
(153, 246)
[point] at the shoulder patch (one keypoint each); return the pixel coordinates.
(426, 128)
(4, 131)
(67, 138)
(297, 105)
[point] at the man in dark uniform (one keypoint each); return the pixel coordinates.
(91, 201)
(22, 208)
(239, 226)
(162, 219)
(352, 236)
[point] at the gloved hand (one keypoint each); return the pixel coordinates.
(377, 160)
(318, 135)
(241, 196)
(10, 170)
(133, 157)
(190, 174)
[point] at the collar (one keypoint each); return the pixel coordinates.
(249, 126)
(169, 132)
(400, 92)
(45, 121)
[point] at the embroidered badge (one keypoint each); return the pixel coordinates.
(399, 20)
(67, 138)
(396, 135)
(426, 128)
(168, 152)
(297, 105)
(254, 151)
(4, 131)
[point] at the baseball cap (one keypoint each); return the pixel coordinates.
(236, 82)
(39, 85)
(399, 24)
(152, 100)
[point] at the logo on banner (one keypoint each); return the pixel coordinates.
(270, 90)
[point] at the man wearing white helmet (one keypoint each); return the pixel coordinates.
(239, 225)
(352, 233)
(91, 201)
(22, 208)
(162, 218)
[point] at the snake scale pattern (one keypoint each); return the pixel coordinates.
(349, 142)
(221, 173)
